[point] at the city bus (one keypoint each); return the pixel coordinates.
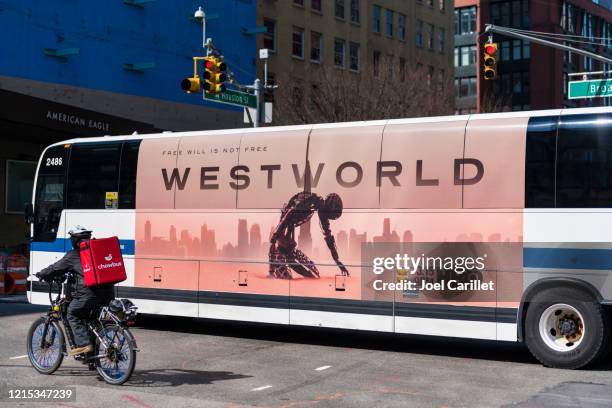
(284, 225)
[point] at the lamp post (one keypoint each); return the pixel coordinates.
(200, 15)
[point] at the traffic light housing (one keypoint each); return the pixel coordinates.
(214, 75)
(191, 84)
(490, 61)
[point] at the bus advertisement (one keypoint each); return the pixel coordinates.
(493, 226)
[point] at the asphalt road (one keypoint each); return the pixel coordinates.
(190, 363)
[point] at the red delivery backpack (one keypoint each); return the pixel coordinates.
(102, 262)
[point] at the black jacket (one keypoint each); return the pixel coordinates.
(71, 262)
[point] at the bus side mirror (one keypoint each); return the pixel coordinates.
(28, 213)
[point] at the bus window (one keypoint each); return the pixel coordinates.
(49, 200)
(93, 171)
(584, 161)
(540, 162)
(127, 174)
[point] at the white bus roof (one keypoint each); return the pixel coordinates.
(429, 119)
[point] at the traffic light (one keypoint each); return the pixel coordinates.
(490, 61)
(214, 75)
(192, 84)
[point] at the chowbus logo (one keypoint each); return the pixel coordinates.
(348, 174)
(110, 265)
(109, 257)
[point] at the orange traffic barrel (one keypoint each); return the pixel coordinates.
(18, 283)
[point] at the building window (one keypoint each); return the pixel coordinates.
(376, 10)
(354, 56)
(430, 36)
(402, 69)
(389, 22)
(269, 36)
(316, 5)
(315, 46)
(465, 20)
(298, 3)
(297, 49)
(339, 9)
(419, 33)
(516, 49)
(465, 86)
(517, 83)
(513, 13)
(442, 39)
(401, 26)
(355, 17)
(505, 51)
(339, 52)
(376, 62)
(465, 55)
(19, 184)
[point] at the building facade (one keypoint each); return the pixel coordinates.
(73, 69)
(530, 76)
(351, 35)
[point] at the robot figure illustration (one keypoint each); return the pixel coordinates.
(284, 254)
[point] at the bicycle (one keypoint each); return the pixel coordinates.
(114, 355)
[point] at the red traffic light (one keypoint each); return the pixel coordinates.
(490, 49)
(209, 64)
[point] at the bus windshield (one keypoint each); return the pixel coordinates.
(49, 201)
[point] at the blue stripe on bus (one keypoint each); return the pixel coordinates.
(567, 258)
(559, 258)
(63, 244)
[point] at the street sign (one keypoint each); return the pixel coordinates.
(232, 97)
(598, 88)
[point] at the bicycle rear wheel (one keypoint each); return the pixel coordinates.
(117, 361)
(46, 355)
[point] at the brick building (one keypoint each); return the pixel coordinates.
(530, 76)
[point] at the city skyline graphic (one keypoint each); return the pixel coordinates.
(250, 241)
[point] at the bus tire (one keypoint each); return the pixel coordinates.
(566, 328)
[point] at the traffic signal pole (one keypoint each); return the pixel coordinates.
(490, 28)
(214, 78)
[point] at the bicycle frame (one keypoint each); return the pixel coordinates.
(58, 312)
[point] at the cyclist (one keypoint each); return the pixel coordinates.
(84, 299)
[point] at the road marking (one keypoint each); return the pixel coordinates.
(322, 368)
(16, 357)
(265, 387)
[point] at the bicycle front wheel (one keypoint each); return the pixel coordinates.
(45, 354)
(116, 358)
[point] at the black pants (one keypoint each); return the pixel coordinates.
(78, 312)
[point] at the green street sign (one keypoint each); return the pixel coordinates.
(232, 97)
(598, 88)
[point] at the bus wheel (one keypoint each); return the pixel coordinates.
(565, 328)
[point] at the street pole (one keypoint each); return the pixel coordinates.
(257, 87)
